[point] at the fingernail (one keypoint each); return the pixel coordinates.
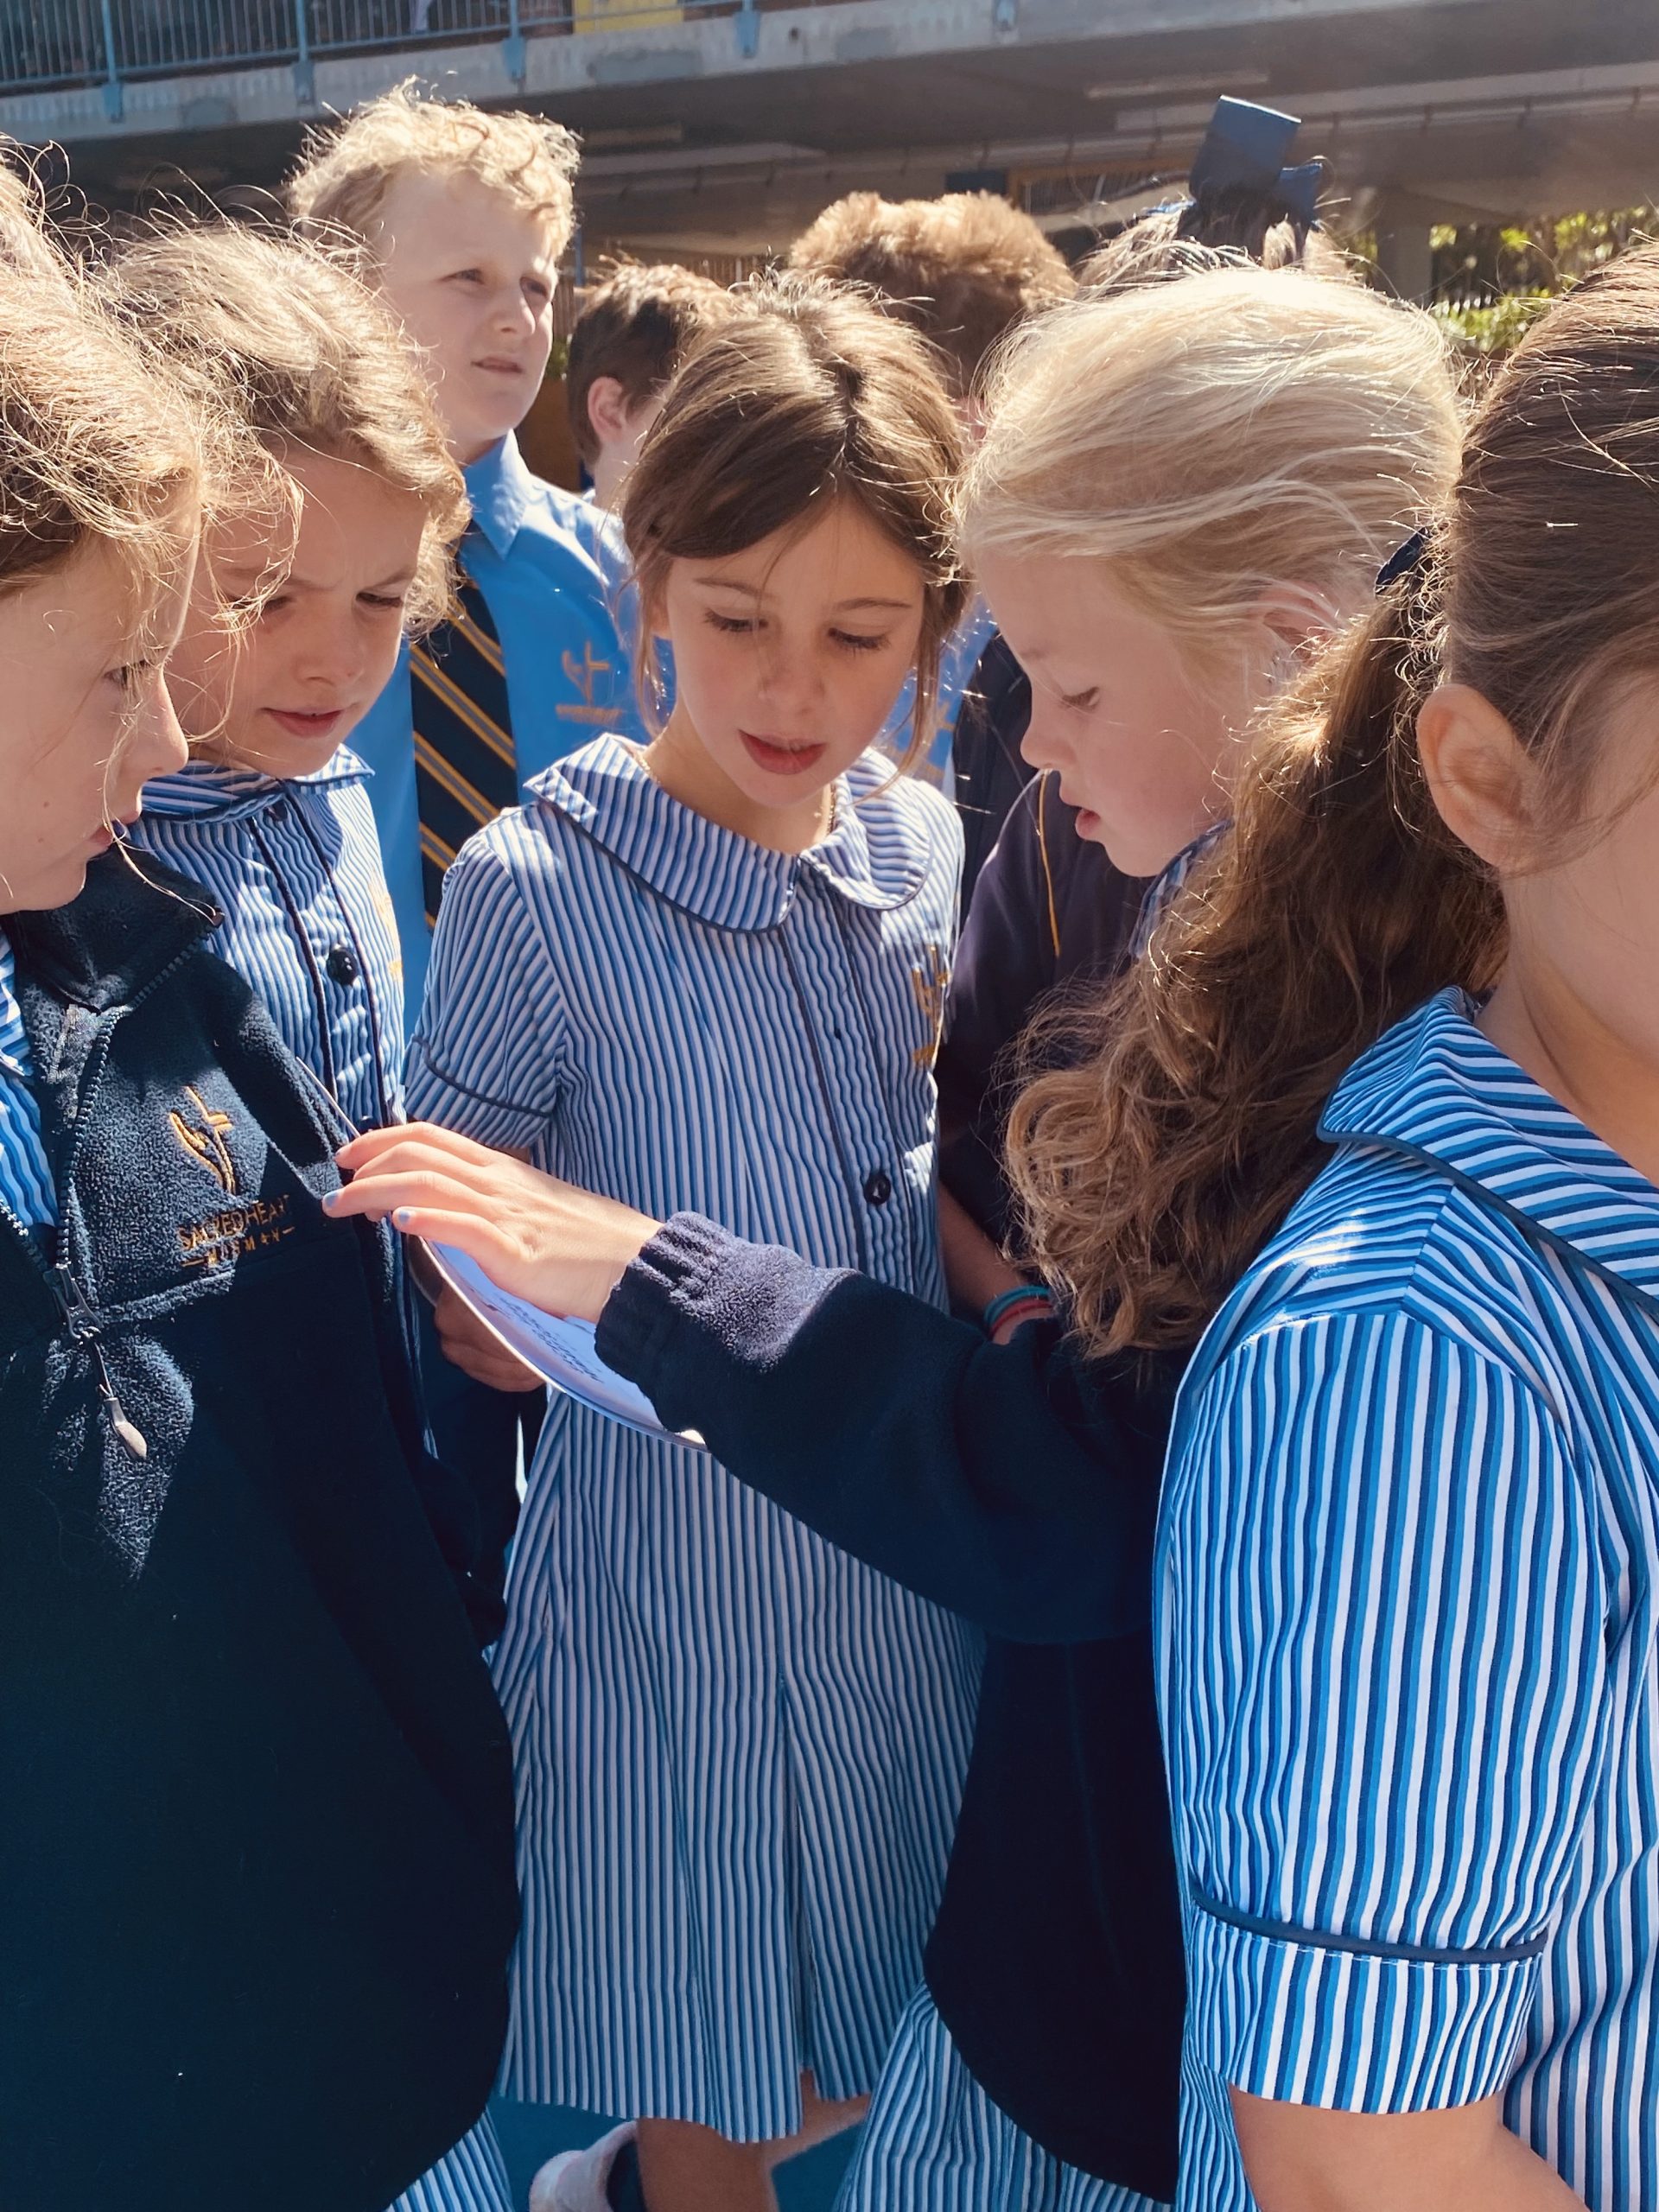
(402, 1217)
(330, 1200)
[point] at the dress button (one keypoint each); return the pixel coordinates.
(341, 964)
(878, 1187)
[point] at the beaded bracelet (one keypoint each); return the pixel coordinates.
(1036, 1295)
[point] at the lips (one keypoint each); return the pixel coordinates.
(499, 365)
(782, 759)
(300, 723)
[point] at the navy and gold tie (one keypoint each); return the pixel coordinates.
(465, 771)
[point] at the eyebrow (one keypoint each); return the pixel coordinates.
(293, 581)
(842, 606)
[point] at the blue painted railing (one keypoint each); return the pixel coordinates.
(51, 43)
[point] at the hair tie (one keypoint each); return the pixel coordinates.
(1402, 563)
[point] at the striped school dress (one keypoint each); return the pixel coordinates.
(295, 867)
(935, 2142)
(739, 1752)
(1409, 1628)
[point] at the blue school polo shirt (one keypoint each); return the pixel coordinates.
(551, 578)
(1409, 1633)
(26, 1188)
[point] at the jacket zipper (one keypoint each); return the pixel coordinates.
(65, 1285)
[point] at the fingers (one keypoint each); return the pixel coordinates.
(467, 1344)
(366, 1150)
(401, 1186)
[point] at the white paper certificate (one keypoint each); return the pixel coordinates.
(561, 1352)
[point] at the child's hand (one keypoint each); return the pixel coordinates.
(472, 1347)
(544, 1241)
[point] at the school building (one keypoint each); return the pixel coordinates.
(714, 128)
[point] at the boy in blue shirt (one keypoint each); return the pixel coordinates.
(463, 216)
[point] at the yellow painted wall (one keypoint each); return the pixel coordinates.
(601, 15)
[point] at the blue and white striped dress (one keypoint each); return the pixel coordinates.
(1408, 1627)
(295, 867)
(26, 1186)
(739, 1751)
(935, 2142)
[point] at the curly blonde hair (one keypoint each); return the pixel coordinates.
(348, 169)
(283, 335)
(964, 270)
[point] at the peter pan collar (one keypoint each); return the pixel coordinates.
(1434, 1087)
(204, 789)
(878, 853)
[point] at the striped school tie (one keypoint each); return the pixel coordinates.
(465, 771)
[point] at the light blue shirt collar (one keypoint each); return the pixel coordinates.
(879, 852)
(1434, 1086)
(203, 787)
(501, 488)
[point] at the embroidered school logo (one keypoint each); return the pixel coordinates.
(204, 1140)
(927, 985)
(584, 674)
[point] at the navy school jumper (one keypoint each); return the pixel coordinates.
(255, 1876)
(1019, 1486)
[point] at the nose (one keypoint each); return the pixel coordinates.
(791, 681)
(152, 745)
(329, 651)
(514, 316)
(1043, 744)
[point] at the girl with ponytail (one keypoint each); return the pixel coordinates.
(1408, 1579)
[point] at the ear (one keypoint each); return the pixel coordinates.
(1296, 616)
(1482, 780)
(607, 409)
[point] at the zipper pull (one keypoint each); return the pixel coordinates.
(84, 1329)
(132, 1437)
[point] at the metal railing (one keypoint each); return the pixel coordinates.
(50, 44)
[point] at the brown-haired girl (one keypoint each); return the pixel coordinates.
(256, 1881)
(1173, 487)
(1409, 1554)
(708, 972)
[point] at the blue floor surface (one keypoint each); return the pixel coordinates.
(531, 2133)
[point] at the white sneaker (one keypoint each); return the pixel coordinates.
(576, 2180)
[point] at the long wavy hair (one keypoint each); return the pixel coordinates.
(1151, 1171)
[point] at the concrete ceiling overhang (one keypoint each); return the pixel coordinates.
(1478, 106)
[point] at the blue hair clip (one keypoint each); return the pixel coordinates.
(1409, 556)
(1246, 148)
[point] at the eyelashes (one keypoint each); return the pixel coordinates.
(737, 625)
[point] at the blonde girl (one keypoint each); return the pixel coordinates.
(1408, 1571)
(255, 1890)
(1177, 488)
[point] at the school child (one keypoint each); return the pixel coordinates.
(964, 270)
(270, 814)
(631, 333)
(1408, 1568)
(1049, 918)
(256, 1883)
(461, 217)
(1037, 2069)
(710, 968)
